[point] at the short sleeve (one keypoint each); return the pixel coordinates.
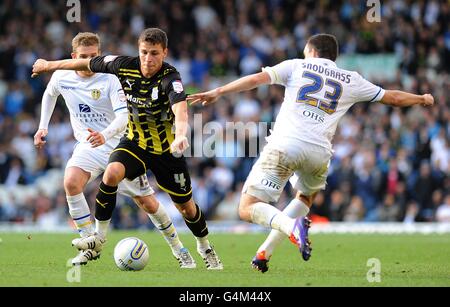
(107, 63)
(280, 73)
(367, 91)
(117, 96)
(53, 85)
(173, 86)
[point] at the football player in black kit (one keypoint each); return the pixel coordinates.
(156, 103)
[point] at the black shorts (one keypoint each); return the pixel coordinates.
(171, 173)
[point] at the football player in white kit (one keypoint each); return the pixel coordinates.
(317, 95)
(99, 115)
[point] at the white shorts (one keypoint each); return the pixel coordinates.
(307, 164)
(95, 160)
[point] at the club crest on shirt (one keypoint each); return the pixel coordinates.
(155, 93)
(95, 94)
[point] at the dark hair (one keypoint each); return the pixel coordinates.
(154, 36)
(326, 45)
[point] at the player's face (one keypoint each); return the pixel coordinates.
(151, 57)
(86, 52)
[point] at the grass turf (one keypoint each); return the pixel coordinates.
(40, 259)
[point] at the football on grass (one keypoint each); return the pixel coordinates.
(131, 254)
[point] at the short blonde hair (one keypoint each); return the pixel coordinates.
(85, 39)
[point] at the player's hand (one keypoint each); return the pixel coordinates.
(429, 100)
(39, 66)
(204, 98)
(95, 138)
(39, 138)
(179, 145)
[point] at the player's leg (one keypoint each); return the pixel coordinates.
(75, 179)
(196, 222)
(254, 210)
(122, 163)
(298, 207)
(308, 179)
(172, 176)
(105, 200)
(84, 165)
(264, 186)
(142, 194)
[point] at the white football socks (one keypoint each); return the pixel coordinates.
(269, 216)
(202, 244)
(294, 209)
(101, 227)
(162, 221)
(81, 214)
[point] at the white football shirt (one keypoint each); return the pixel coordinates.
(317, 95)
(92, 102)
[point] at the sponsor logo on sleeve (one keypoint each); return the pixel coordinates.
(177, 86)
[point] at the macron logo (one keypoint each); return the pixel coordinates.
(84, 108)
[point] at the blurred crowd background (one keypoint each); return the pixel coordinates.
(389, 164)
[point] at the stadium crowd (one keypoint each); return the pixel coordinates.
(389, 164)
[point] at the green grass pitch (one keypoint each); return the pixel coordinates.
(40, 259)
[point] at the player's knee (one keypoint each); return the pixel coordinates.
(246, 206)
(187, 209)
(72, 185)
(114, 174)
(244, 211)
(148, 203)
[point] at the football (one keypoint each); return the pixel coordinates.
(131, 254)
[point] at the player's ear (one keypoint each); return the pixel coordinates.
(74, 55)
(165, 52)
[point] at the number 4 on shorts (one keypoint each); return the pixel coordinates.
(179, 178)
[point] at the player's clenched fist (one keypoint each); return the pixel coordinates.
(179, 145)
(428, 100)
(39, 66)
(39, 138)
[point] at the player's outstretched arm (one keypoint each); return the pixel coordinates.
(403, 99)
(41, 65)
(242, 84)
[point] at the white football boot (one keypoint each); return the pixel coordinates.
(84, 256)
(92, 242)
(185, 259)
(211, 259)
